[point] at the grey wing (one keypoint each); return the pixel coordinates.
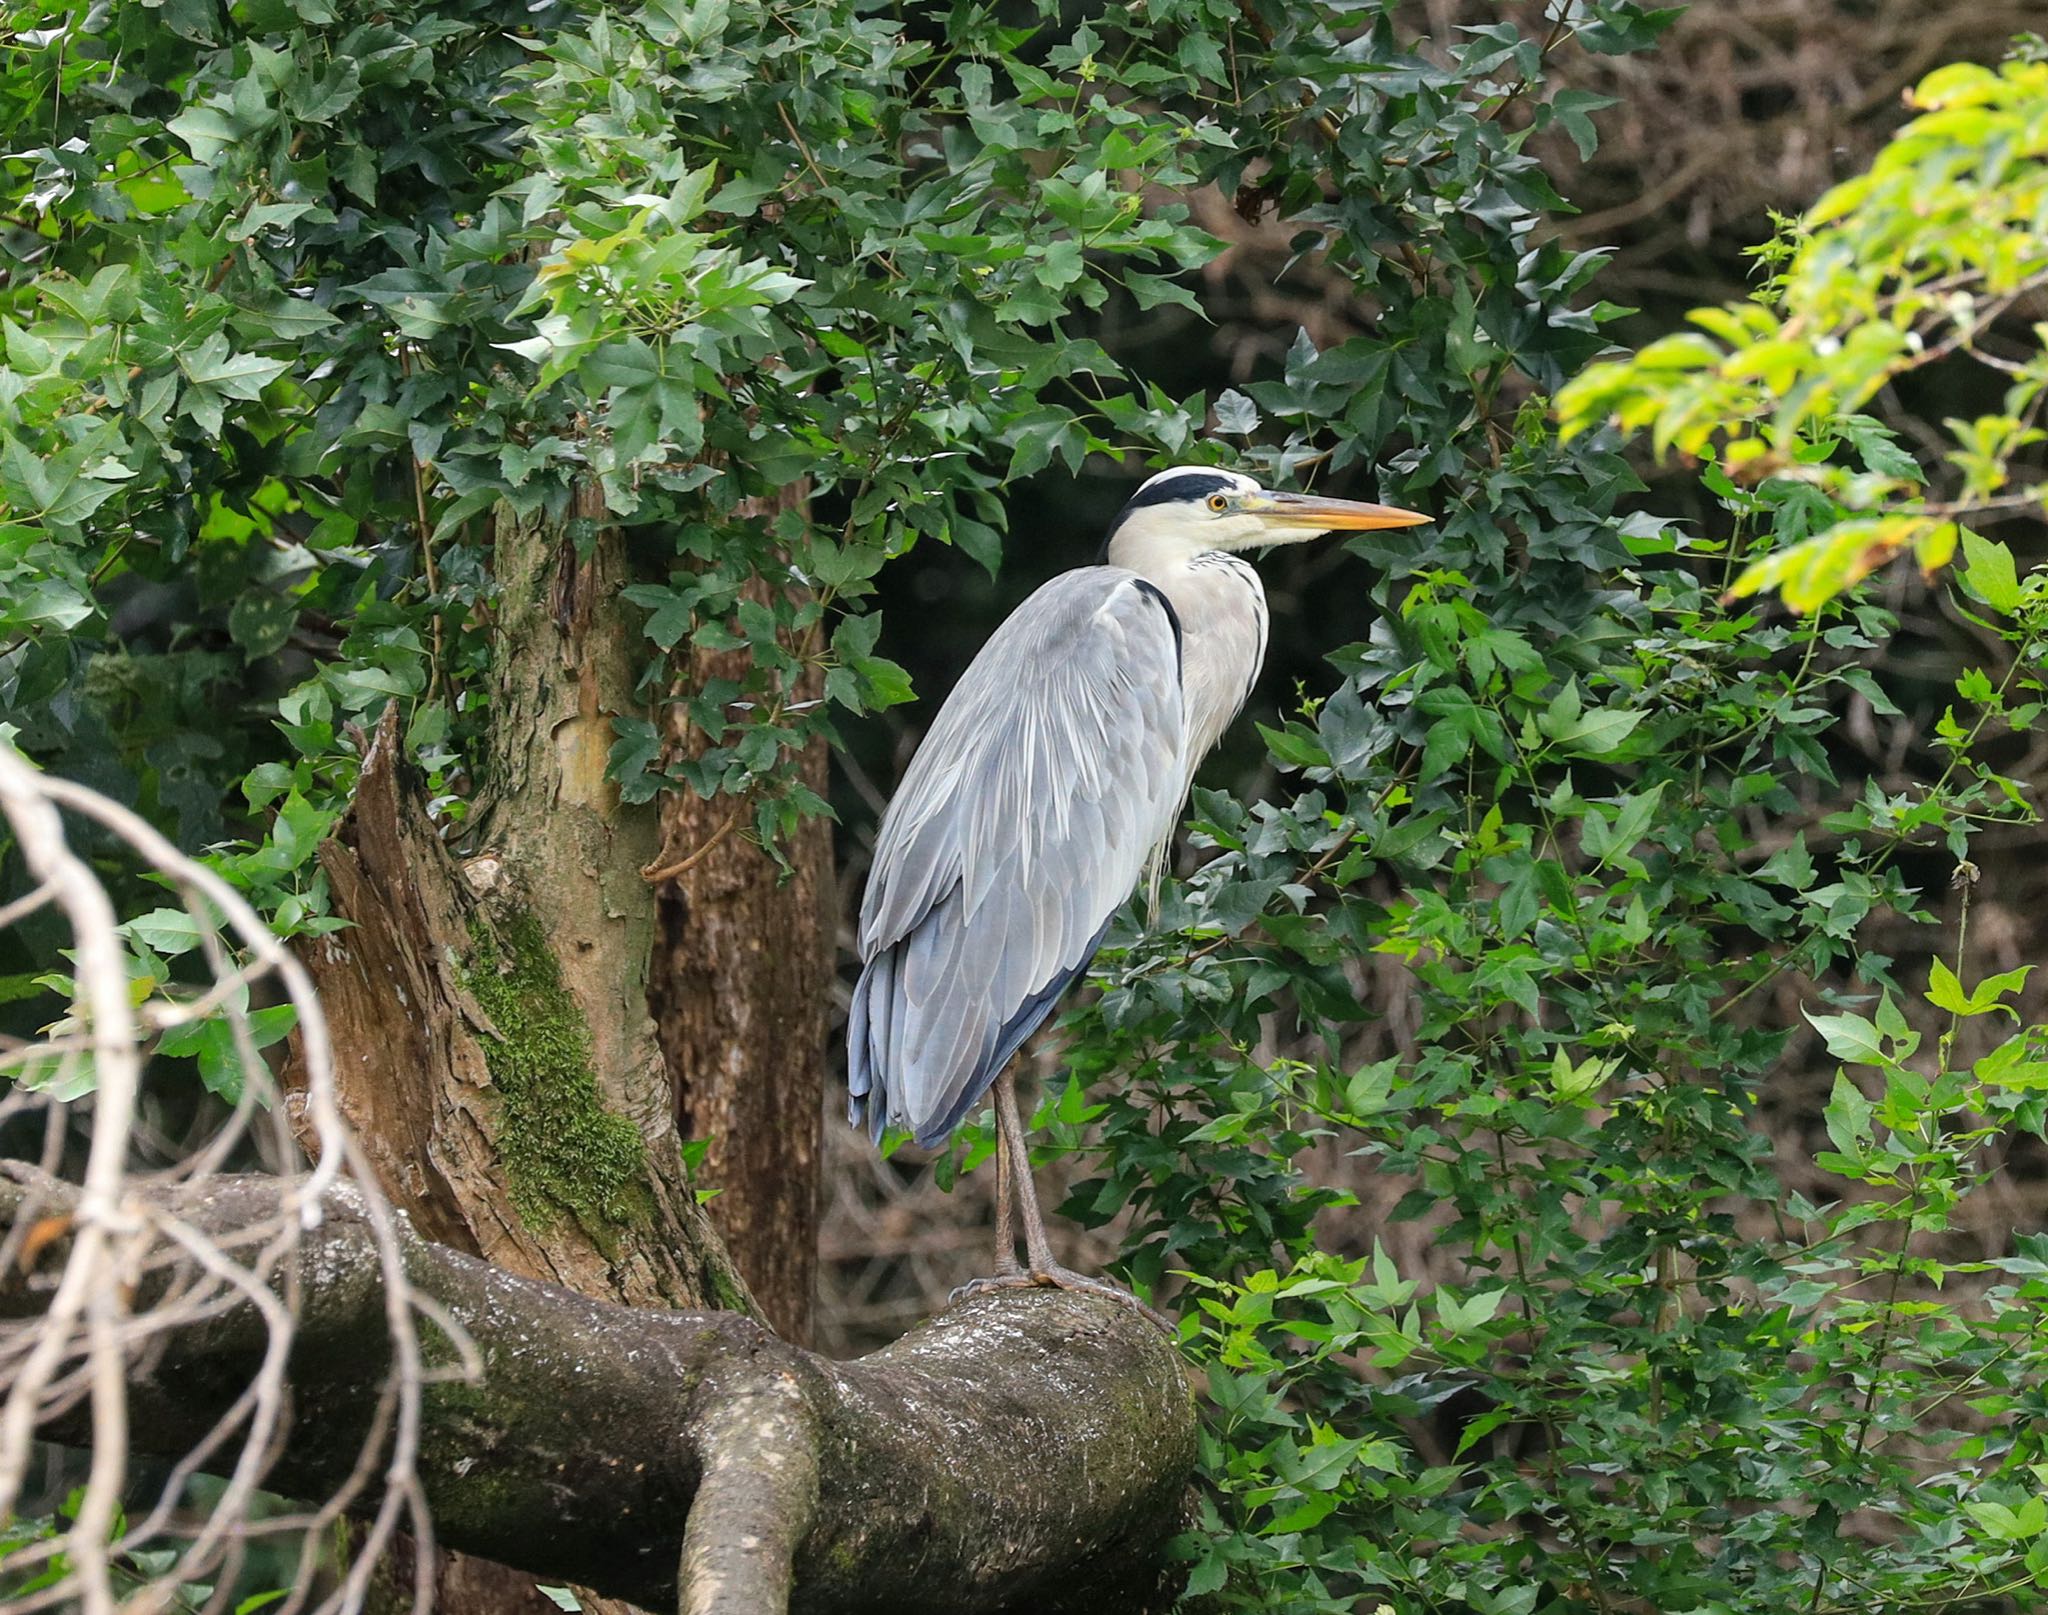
(1021, 825)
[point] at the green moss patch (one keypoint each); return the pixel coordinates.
(564, 1152)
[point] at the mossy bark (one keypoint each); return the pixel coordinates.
(565, 1153)
(548, 1139)
(563, 866)
(474, 1127)
(1026, 1451)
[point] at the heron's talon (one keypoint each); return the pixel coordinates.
(1063, 1278)
(1000, 1281)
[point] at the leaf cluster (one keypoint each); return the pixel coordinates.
(1917, 260)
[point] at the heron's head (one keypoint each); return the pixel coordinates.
(1192, 509)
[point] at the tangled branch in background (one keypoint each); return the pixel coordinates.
(115, 1267)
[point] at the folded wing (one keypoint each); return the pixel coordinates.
(1022, 823)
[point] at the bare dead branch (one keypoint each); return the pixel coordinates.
(137, 1268)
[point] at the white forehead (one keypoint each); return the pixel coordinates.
(1237, 480)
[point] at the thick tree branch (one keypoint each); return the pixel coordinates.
(1023, 1451)
(757, 1497)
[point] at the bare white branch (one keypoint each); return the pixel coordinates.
(124, 1269)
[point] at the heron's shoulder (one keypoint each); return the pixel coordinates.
(1106, 610)
(1095, 590)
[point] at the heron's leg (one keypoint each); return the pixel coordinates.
(1042, 1271)
(1009, 1273)
(1006, 1231)
(1037, 1248)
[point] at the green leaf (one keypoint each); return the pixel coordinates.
(1572, 1082)
(633, 754)
(213, 1043)
(1236, 413)
(1296, 751)
(1944, 991)
(261, 623)
(1990, 574)
(674, 613)
(1474, 1312)
(168, 931)
(233, 375)
(2004, 1524)
(888, 684)
(1595, 733)
(1572, 109)
(1581, 732)
(1847, 1117)
(207, 131)
(1629, 825)
(1151, 291)
(1850, 1038)
(1790, 866)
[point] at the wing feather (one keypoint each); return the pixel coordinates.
(1022, 823)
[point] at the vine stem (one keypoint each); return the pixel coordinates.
(433, 572)
(702, 850)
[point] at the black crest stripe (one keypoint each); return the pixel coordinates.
(1190, 485)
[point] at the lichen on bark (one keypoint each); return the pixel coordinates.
(564, 1151)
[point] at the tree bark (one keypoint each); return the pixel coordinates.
(742, 985)
(743, 991)
(1025, 1451)
(568, 653)
(480, 1131)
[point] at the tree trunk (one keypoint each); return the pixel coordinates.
(742, 984)
(500, 1061)
(498, 1058)
(1026, 1451)
(743, 992)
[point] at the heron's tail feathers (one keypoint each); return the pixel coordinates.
(925, 1066)
(864, 1058)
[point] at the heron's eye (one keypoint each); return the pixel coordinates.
(1218, 503)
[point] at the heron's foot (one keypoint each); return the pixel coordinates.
(1012, 1277)
(1054, 1277)
(1058, 1278)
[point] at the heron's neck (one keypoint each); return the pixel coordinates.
(1195, 578)
(1222, 610)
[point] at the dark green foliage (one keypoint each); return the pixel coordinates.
(1641, 1391)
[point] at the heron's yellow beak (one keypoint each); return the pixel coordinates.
(1305, 513)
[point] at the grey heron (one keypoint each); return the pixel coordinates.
(1054, 772)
